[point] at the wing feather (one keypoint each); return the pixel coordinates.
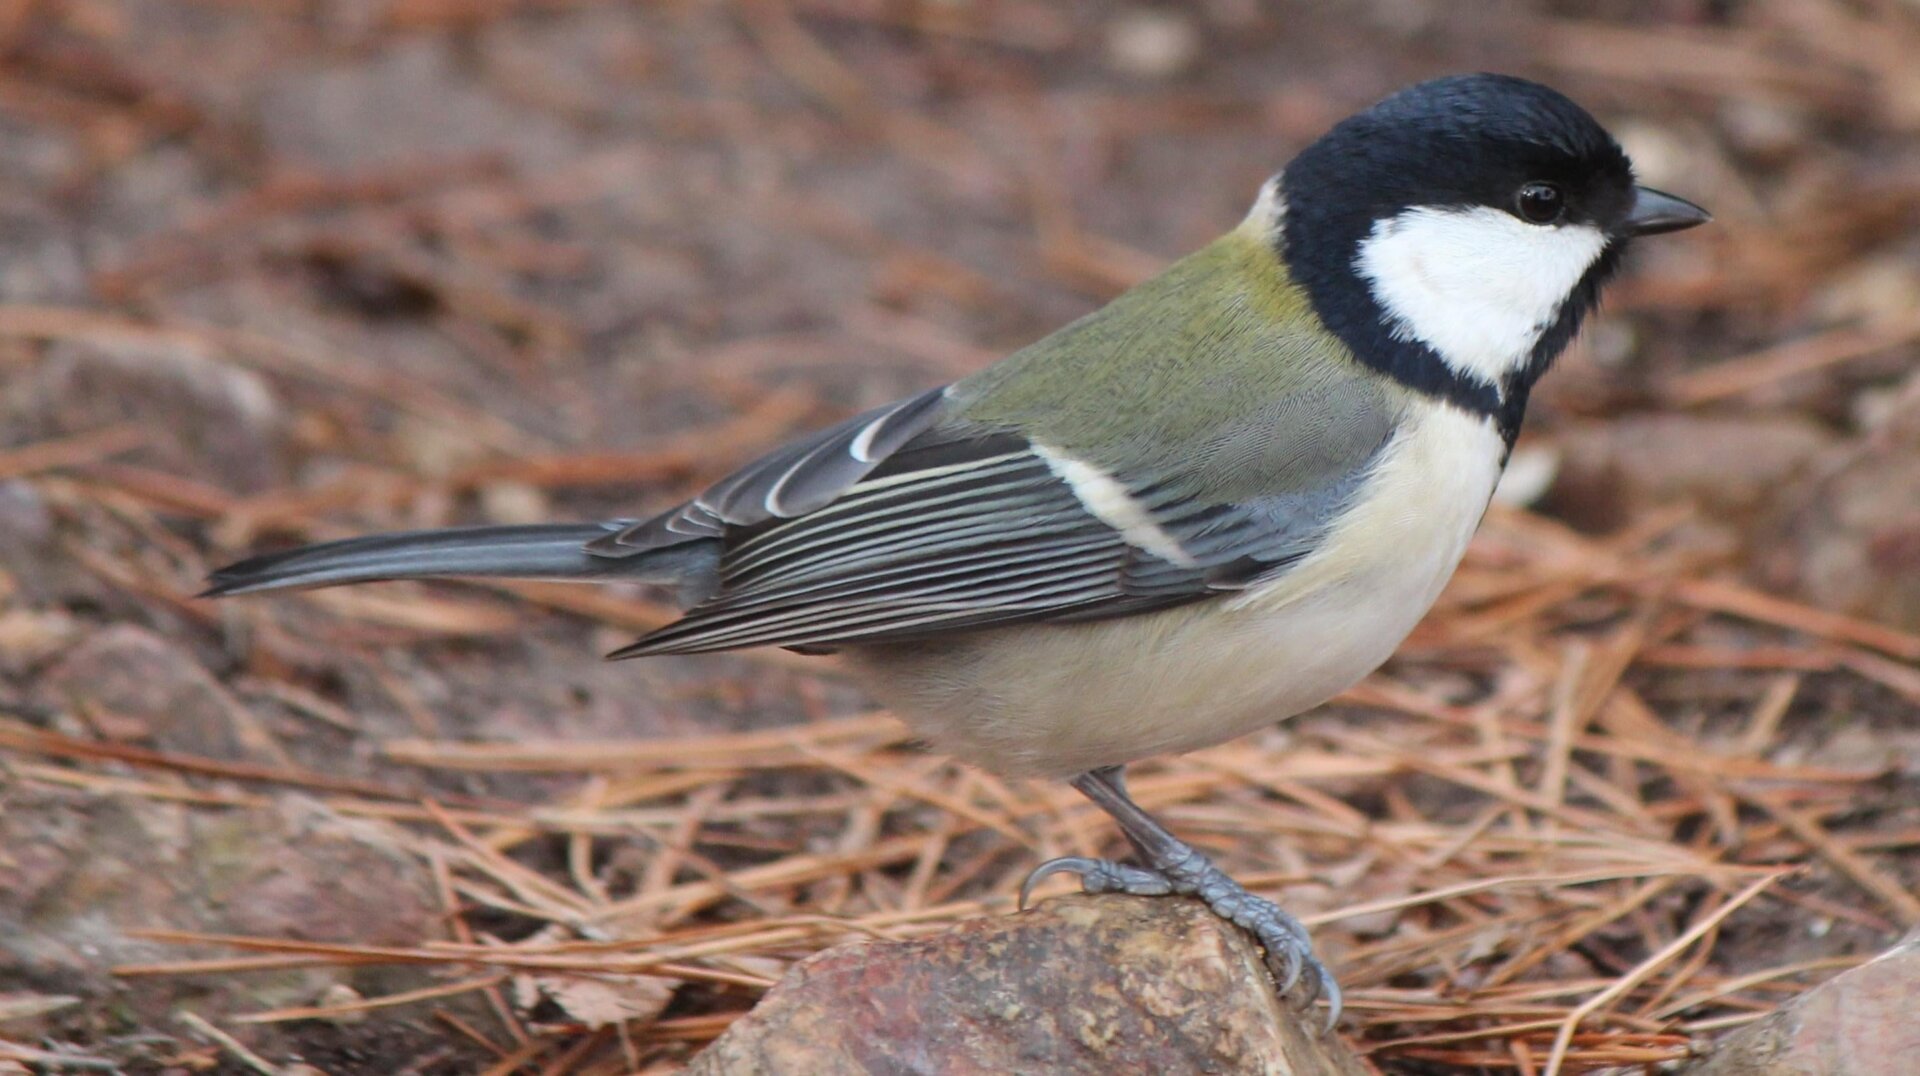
(913, 521)
(790, 481)
(957, 533)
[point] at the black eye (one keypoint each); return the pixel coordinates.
(1540, 203)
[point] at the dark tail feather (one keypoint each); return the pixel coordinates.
(546, 551)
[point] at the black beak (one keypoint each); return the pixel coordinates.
(1655, 212)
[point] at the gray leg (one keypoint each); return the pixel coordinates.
(1170, 866)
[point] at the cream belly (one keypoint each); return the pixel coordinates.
(1022, 701)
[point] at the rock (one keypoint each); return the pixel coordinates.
(80, 873)
(1077, 985)
(133, 684)
(1153, 43)
(1860, 1023)
(413, 101)
(1851, 541)
(39, 579)
(31, 636)
(25, 518)
(204, 415)
(1767, 132)
(1733, 465)
(46, 261)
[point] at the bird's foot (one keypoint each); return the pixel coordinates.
(1289, 950)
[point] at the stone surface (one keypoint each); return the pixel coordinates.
(1851, 541)
(196, 408)
(134, 685)
(1733, 466)
(1865, 1022)
(412, 101)
(1077, 985)
(80, 873)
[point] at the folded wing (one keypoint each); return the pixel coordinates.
(951, 528)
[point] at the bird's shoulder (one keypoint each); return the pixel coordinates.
(1220, 361)
(1194, 439)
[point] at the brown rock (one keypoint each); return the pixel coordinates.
(83, 875)
(201, 413)
(415, 100)
(314, 875)
(129, 681)
(1732, 465)
(80, 874)
(1851, 541)
(1077, 985)
(1865, 1022)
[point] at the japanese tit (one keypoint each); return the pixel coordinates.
(1213, 504)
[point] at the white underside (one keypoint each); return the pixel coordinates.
(1056, 700)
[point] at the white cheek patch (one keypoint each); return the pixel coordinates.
(1479, 286)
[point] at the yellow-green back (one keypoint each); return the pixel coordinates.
(1218, 364)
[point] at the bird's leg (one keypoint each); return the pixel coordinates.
(1170, 866)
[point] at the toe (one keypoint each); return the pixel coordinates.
(1083, 866)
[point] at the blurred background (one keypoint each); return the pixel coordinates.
(280, 270)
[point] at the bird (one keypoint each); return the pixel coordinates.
(1210, 505)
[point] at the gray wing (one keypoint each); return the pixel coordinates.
(792, 480)
(959, 528)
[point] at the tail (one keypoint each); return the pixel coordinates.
(544, 551)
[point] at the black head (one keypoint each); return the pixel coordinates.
(1455, 234)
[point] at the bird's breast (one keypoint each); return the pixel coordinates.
(1401, 539)
(1053, 700)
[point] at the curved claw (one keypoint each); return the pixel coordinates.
(1321, 985)
(1294, 965)
(1081, 865)
(1330, 990)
